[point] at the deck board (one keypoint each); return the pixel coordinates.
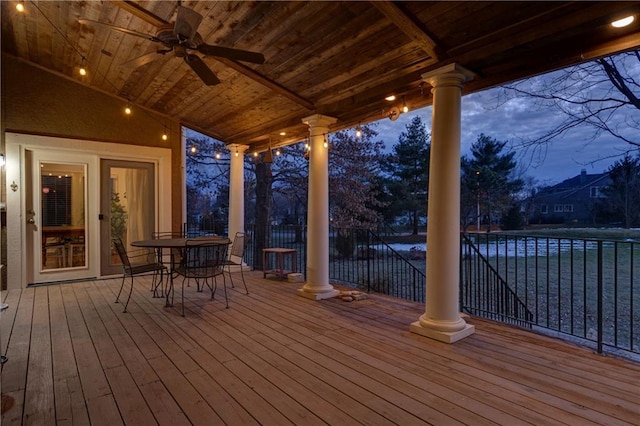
(275, 358)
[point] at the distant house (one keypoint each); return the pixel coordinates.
(572, 201)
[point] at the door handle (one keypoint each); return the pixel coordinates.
(32, 221)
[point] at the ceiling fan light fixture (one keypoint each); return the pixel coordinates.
(621, 23)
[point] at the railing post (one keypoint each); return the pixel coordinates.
(368, 261)
(600, 297)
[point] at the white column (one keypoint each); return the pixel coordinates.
(317, 286)
(441, 320)
(236, 190)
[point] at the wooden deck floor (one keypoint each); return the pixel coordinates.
(275, 358)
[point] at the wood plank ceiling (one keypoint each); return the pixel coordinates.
(337, 58)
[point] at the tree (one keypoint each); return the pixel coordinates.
(603, 94)
(207, 182)
(353, 191)
(623, 193)
(408, 170)
(489, 176)
(353, 172)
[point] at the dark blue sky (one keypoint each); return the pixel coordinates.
(516, 120)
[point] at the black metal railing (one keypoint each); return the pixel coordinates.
(484, 293)
(360, 258)
(585, 289)
(286, 236)
(357, 258)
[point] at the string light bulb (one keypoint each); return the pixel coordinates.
(127, 110)
(278, 151)
(325, 144)
(217, 155)
(358, 132)
(405, 108)
(83, 67)
(237, 153)
(255, 154)
(194, 149)
(20, 6)
(165, 136)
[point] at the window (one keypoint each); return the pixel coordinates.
(56, 200)
(544, 209)
(596, 192)
(558, 208)
(568, 208)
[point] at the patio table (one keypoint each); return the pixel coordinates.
(160, 244)
(280, 254)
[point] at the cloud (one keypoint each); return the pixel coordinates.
(516, 121)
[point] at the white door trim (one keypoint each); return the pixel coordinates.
(18, 144)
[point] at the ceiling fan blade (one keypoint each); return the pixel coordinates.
(141, 60)
(201, 69)
(120, 29)
(230, 53)
(187, 23)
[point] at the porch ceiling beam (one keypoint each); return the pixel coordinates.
(259, 78)
(408, 26)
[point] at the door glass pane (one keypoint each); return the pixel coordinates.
(62, 192)
(132, 215)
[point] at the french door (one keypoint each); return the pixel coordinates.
(58, 207)
(127, 207)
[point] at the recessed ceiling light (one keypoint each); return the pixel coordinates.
(283, 133)
(390, 98)
(623, 22)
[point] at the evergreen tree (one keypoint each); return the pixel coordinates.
(488, 181)
(408, 170)
(623, 193)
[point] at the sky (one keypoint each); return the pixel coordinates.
(564, 158)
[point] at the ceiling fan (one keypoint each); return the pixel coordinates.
(181, 38)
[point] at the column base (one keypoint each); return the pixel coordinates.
(318, 296)
(442, 336)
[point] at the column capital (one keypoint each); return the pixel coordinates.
(319, 120)
(237, 147)
(449, 74)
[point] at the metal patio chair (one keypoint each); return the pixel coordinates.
(141, 265)
(236, 257)
(203, 260)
